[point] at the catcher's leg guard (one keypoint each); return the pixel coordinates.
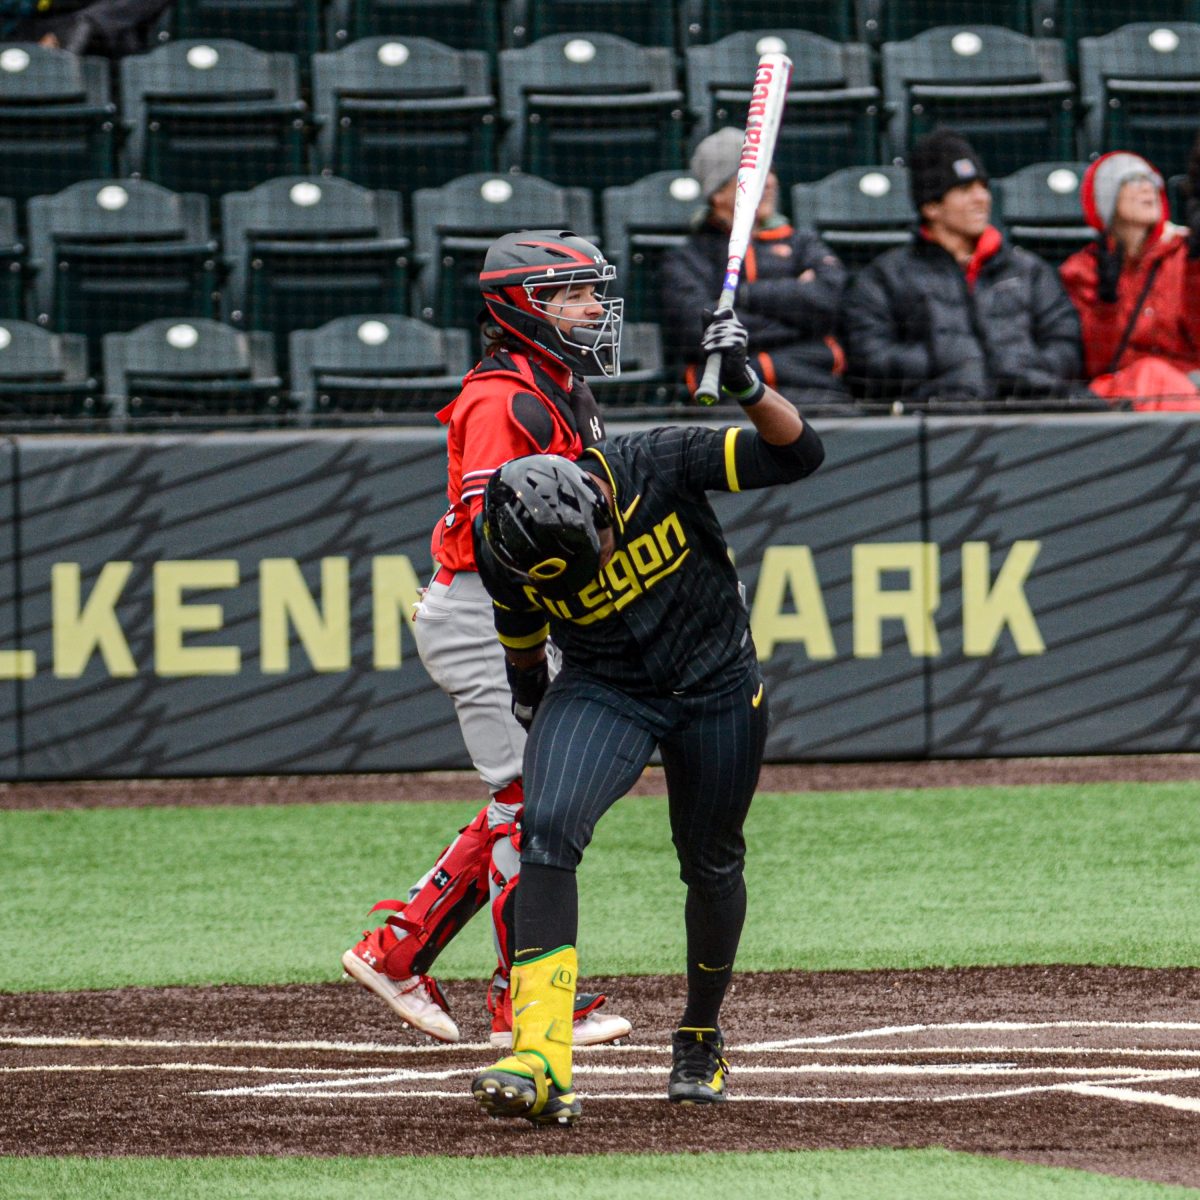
(535, 1080)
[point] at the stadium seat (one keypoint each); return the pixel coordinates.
(213, 117)
(45, 374)
(596, 110)
(1008, 94)
(286, 26)
(57, 120)
(642, 222)
(1075, 19)
(404, 114)
(1141, 91)
(858, 211)
(377, 363)
(189, 367)
(832, 113)
(647, 24)
(107, 255)
(454, 225)
(711, 20)
(644, 379)
(896, 20)
(464, 24)
(1039, 209)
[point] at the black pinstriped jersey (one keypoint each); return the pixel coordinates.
(666, 614)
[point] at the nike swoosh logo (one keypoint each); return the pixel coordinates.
(757, 700)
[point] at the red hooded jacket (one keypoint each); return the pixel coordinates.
(1168, 323)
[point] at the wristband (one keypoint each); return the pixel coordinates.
(752, 395)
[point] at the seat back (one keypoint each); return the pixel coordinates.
(464, 24)
(644, 379)
(12, 266)
(45, 374)
(212, 116)
(593, 107)
(187, 366)
(404, 113)
(454, 225)
(647, 24)
(57, 120)
(377, 362)
(284, 26)
(707, 21)
(858, 211)
(895, 20)
(832, 114)
(301, 250)
(110, 254)
(641, 223)
(1040, 210)
(1141, 91)
(1008, 94)
(1075, 19)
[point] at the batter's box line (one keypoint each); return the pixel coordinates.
(970, 1026)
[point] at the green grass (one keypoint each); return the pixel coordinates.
(813, 1175)
(1085, 874)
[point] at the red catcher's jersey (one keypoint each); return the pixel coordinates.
(505, 410)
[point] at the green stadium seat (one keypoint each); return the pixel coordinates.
(108, 255)
(895, 20)
(404, 114)
(647, 24)
(1075, 19)
(190, 367)
(707, 21)
(57, 120)
(641, 223)
(12, 264)
(1141, 91)
(1039, 209)
(591, 109)
(644, 380)
(832, 114)
(454, 225)
(212, 116)
(1008, 94)
(301, 250)
(377, 363)
(858, 211)
(44, 374)
(284, 26)
(464, 24)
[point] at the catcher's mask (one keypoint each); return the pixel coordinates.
(520, 272)
(542, 517)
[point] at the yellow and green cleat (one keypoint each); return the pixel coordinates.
(521, 1085)
(698, 1067)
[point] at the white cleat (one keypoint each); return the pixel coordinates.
(596, 1029)
(414, 1000)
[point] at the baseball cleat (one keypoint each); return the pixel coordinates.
(698, 1067)
(417, 1000)
(590, 1027)
(520, 1086)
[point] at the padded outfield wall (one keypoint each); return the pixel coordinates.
(223, 604)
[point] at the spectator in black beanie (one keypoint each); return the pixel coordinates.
(958, 313)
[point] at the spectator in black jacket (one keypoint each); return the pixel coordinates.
(959, 313)
(109, 27)
(789, 294)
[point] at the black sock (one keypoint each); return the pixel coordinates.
(547, 911)
(714, 928)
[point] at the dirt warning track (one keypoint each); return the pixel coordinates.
(1087, 1067)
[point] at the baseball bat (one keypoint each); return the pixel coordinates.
(767, 99)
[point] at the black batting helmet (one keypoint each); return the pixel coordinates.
(519, 266)
(542, 517)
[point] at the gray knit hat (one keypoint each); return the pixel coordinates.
(1104, 180)
(715, 161)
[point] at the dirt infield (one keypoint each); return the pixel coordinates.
(1087, 1067)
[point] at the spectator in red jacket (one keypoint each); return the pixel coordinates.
(1136, 289)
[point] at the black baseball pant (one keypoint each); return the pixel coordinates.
(588, 746)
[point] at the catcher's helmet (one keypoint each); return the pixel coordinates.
(542, 517)
(518, 271)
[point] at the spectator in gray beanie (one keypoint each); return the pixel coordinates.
(958, 313)
(789, 294)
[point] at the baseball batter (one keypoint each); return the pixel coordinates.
(547, 320)
(621, 557)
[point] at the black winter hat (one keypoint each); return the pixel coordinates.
(940, 161)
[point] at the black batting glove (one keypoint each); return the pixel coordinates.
(725, 335)
(528, 686)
